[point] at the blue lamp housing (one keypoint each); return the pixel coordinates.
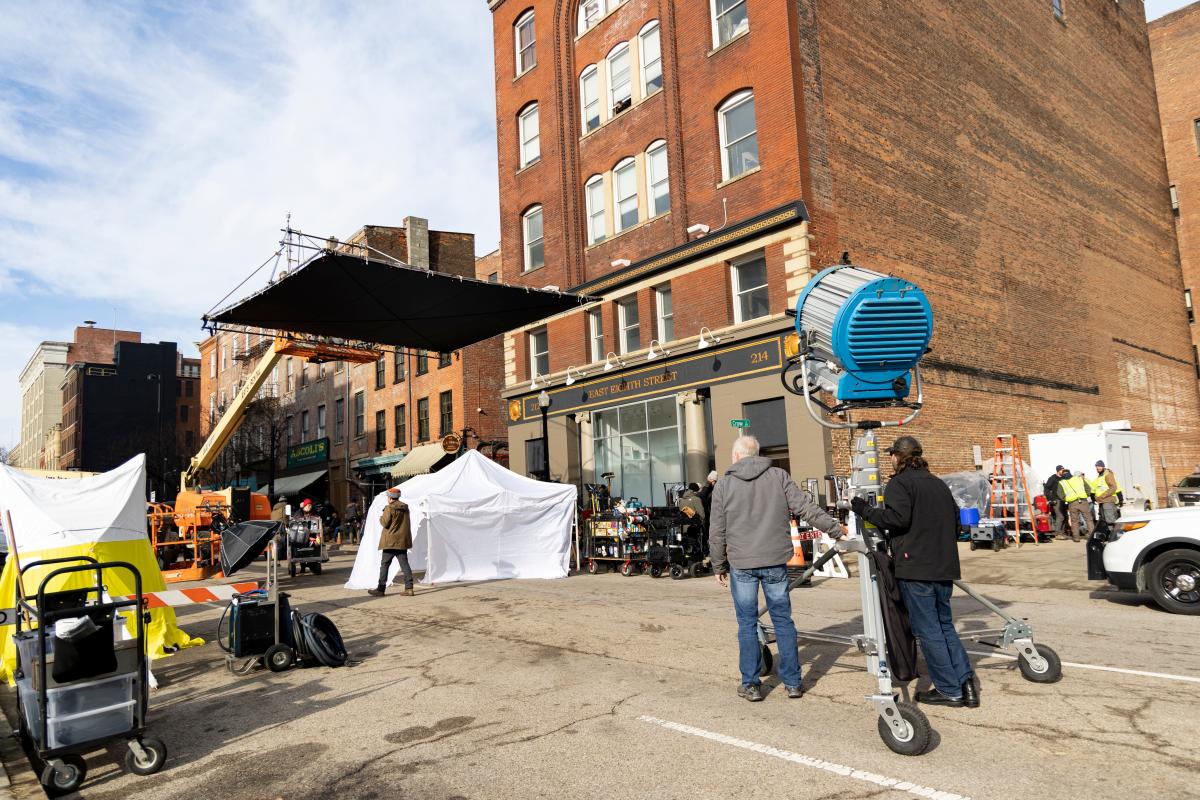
(865, 333)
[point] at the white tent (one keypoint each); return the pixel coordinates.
(476, 520)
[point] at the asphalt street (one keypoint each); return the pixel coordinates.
(606, 686)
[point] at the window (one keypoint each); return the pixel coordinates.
(189, 387)
(641, 445)
(1196, 127)
(1174, 193)
(380, 372)
(338, 367)
(525, 43)
(625, 198)
(304, 426)
(651, 59)
(224, 358)
(360, 411)
(291, 379)
(596, 334)
(730, 20)
(589, 98)
(1196, 358)
(535, 254)
(619, 84)
(400, 425)
(527, 129)
(628, 333)
(189, 439)
(666, 314)
(380, 429)
(1187, 302)
(590, 12)
(1057, 7)
(535, 459)
(422, 362)
(657, 186)
(446, 413)
(423, 419)
(212, 365)
(443, 360)
(750, 288)
(321, 371)
(183, 413)
(304, 374)
(539, 353)
(321, 422)
(339, 419)
(593, 195)
(739, 136)
(493, 277)
(398, 366)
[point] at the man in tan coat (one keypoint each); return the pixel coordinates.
(394, 542)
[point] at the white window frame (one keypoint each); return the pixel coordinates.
(527, 243)
(739, 290)
(613, 55)
(582, 24)
(623, 326)
(519, 65)
(596, 334)
(535, 354)
(742, 97)
(716, 28)
(212, 364)
(322, 418)
(593, 199)
(529, 118)
(592, 72)
(653, 179)
(626, 166)
(651, 27)
(664, 319)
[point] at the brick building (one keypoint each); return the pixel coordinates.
(1175, 47)
(344, 427)
(692, 164)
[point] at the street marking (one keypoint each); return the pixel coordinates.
(1142, 673)
(808, 761)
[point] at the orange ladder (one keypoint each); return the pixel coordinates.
(1008, 475)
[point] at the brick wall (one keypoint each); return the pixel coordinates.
(1175, 47)
(97, 345)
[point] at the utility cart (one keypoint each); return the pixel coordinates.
(305, 546)
(84, 689)
(678, 547)
(618, 539)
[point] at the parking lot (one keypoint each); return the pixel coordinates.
(606, 686)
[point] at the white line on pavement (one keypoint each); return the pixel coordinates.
(1187, 678)
(808, 761)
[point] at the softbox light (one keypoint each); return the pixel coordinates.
(244, 542)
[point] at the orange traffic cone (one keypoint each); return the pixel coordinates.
(797, 559)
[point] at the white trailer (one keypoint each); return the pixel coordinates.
(1125, 452)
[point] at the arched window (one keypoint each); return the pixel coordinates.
(593, 195)
(625, 195)
(620, 87)
(589, 97)
(739, 135)
(525, 41)
(650, 52)
(527, 131)
(658, 188)
(592, 11)
(531, 225)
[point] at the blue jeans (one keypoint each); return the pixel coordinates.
(928, 604)
(744, 584)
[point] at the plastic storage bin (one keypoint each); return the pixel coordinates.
(80, 728)
(82, 697)
(27, 644)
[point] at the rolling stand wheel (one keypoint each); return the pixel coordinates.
(656, 571)
(1045, 669)
(628, 570)
(64, 779)
(279, 657)
(918, 735)
(315, 567)
(151, 759)
(593, 568)
(695, 569)
(677, 571)
(767, 662)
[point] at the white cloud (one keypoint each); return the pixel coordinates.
(148, 153)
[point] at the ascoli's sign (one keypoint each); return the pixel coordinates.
(314, 452)
(702, 368)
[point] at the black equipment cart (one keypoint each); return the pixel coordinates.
(86, 689)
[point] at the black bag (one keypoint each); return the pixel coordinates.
(901, 644)
(89, 656)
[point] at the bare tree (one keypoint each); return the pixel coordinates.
(7, 456)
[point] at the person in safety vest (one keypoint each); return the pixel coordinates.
(1074, 492)
(1105, 488)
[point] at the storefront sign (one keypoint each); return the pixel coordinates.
(314, 452)
(451, 442)
(701, 368)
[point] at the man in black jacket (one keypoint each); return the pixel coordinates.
(1058, 509)
(920, 520)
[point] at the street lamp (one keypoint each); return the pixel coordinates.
(544, 405)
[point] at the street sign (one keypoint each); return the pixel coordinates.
(739, 423)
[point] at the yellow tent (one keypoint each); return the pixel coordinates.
(104, 517)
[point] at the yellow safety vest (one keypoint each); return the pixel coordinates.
(1074, 488)
(1099, 484)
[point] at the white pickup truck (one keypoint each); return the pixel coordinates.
(1156, 552)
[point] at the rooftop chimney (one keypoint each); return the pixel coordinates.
(416, 233)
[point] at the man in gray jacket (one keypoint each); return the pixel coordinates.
(749, 530)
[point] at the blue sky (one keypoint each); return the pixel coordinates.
(150, 151)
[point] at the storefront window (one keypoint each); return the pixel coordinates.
(641, 445)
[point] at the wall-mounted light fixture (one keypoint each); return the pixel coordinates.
(608, 361)
(652, 354)
(621, 263)
(578, 372)
(699, 229)
(703, 343)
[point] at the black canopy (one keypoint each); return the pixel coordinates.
(351, 297)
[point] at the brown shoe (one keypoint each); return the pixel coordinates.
(375, 592)
(408, 593)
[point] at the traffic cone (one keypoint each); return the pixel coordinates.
(797, 559)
